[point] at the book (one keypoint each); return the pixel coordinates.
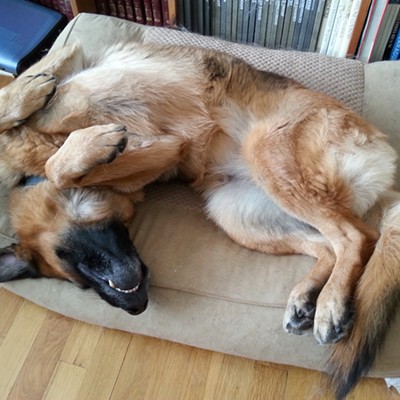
(139, 11)
(340, 20)
(120, 9)
(229, 11)
(392, 38)
(395, 53)
(274, 32)
(299, 20)
(304, 23)
(341, 50)
(359, 24)
(148, 12)
(245, 23)
(112, 6)
(264, 22)
(157, 13)
(223, 17)
(286, 24)
(130, 13)
(165, 14)
(310, 26)
(326, 34)
(102, 7)
(281, 21)
(257, 28)
(235, 10)
(239, 23)
(317, 26)
(384, 32)
(293, 23)
(252, 21)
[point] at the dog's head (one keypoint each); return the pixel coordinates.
(79, 235)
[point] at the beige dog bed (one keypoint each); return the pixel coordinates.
(207, 291)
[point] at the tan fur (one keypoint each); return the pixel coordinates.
(283, 169)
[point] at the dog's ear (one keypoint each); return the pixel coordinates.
(13, 267)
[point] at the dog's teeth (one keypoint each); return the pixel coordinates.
(111, 284)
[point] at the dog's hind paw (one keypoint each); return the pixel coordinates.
(300, 310)
(333, 316)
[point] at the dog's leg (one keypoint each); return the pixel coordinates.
(253, 220)
(299, 173)
(31, 90)
(106, 155)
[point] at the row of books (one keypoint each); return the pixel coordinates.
(62, 6)
(148, 12)
(365, 29)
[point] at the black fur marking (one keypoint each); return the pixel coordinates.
(105, 252)
(215, 68)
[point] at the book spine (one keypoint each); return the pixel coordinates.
(292, 26)
(286, 25)
(257, 28)
(252, 21)
(112, 6)
(336, 27)
(392, 38)
(223, 20)
(395, 53)
(310, 25)
(348, 29)
(157, 13)
(121, 9)
(239, 29)
(281, 21)
(165, 13)
(139, 12)
(235, 10)
(228, 19)
(300, 14)
(130, 13)
(264, 22)
(68, 9)
(304, 23)
(246, 16)
(329, 26)
(270, 24)
(148, 12)
(277, 6)
(207, 17)
(102, 7)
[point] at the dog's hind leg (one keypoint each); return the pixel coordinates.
(253, 220)
(318, 175)
(107, 155)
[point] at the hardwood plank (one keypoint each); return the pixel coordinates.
(178, 371)
(372, 389)
(65, 383)
(42, 358)
(17, 344)
(105, 365)
(307, 385)
(233, 378)
(10, 304)
(81, 344)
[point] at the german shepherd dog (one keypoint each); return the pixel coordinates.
(283, 170)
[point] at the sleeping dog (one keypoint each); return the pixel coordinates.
(282, 169)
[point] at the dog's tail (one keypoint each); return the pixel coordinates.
(376, 298)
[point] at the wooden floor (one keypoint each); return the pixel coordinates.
(44, 355)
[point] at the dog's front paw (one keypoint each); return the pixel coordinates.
(35, 91)
(300, 310)
(333, 316)
(23, 97)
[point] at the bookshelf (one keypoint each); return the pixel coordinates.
(365, 29)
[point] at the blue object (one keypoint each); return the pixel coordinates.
(27, 30)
